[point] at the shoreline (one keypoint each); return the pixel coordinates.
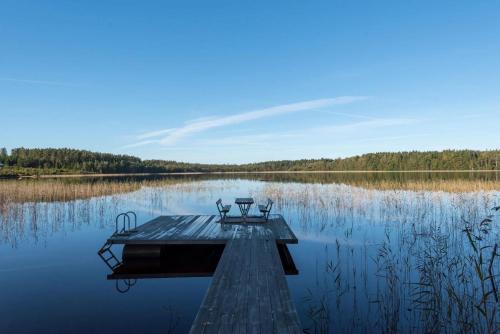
(47, 176)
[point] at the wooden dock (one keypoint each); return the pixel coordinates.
(165, 230)
(249, 292)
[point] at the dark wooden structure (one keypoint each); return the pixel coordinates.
(205, 230)
(249, 292)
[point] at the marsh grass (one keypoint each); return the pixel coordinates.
(429, 264)
(450, 186)
(56, 190)
(60, 190)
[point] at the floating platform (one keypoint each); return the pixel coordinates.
(248, 259)
(207, 229)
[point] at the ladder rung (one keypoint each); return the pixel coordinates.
(108, 256)
(103, 254)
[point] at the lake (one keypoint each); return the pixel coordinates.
(377, 252)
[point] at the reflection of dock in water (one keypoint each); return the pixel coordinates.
(248, 261)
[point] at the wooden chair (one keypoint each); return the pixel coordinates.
(266, 209)
(223, 210)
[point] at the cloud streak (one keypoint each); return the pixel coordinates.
(171, 136)
(299, 136)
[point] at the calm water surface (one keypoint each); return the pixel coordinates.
(369, 260)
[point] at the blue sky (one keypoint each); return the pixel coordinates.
(243, 81)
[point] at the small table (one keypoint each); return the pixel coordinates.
(244, 204)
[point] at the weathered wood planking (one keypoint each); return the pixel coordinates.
(249, 292)
(203, 229)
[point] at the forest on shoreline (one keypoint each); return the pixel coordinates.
(54, 161)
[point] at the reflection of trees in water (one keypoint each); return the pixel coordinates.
(450, 182)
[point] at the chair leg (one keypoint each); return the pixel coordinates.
(265, 215)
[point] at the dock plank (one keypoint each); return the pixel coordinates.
(249, 292)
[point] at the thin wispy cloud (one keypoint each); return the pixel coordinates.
(40, 82)
(154, 134)
(353, 128)
(172, 135)
(314, 141)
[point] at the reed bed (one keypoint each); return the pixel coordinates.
(55, 190)
(60, 190)
(398, 260)
(451, 186)
(21, 191)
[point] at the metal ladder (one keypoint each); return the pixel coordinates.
(132, 230)
(108, 256)
(125, 229)
(105, 253)
(127, 284)
(122, 228)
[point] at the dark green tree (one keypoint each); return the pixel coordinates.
(4, 156)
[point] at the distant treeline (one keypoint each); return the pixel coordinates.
(64, 160)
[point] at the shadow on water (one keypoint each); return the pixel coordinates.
(167, 261)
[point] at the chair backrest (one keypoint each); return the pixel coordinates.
(269, 204)
(219, 204)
